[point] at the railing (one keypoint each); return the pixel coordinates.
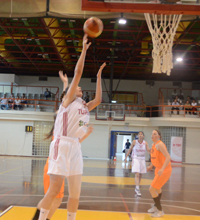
(31, 102)
(28, 89)
(142, 111)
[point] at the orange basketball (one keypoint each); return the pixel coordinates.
(93, 27)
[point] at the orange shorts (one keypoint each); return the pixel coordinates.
(159, 181)
(46, 179)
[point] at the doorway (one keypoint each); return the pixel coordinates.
(117, 143)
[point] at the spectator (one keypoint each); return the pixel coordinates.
(11, 101)
(24, 101)
(87, 97)
(17, 103)
(194, 109)
(181, 95)
(178, 99)
(93, 96)
(174, 94)
(4, 103)
(127, 146)
(175, 103)
(189, 99)
(187, 107)
(47, 94)
(143, 109)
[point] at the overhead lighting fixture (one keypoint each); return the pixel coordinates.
(69, 40)
(63, 20)
(112, 22)
(39, 54)
(72, 20)
(179, 59)
(15, 19)
(122, 20)
(114, 101)
(28, 39)
(24, 19)
(37, 39)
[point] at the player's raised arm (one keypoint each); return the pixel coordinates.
(98, 96)
(77, 73)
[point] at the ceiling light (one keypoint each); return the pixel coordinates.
(112, 22)
(69, 40)
(24, 19)
(63, 20)
(15, 19)
(37, 39)
(122, 21)
(179, 59)
(39, 54)
(72, 20)
(114, 101)
(28, 39)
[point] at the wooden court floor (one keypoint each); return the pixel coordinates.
(107, 191)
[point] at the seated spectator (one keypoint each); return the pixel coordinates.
(175, 103)
(93, 96)
(4, 102)
(181, 95)
(24, 101)
(87, 97)
(178, 100)
(47, 93)
(17, 103)
(143, 110)
(189, 99)
(188, 107)
(11, 101)
(194, 109)
(174, 94)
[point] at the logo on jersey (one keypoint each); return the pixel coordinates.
(82, 123)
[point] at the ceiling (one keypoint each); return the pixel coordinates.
(42, 46)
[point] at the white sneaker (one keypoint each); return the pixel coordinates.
(157, 214)
(152, 209)
(137, 192)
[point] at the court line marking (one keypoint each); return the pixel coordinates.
(113, 201)
(163, 200)
(4, 212)
(126, 207)
(109, 211)
(12, 169)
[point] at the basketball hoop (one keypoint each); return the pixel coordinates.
(162, 33)
(110, 118)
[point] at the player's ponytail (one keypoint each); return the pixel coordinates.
(159, 133)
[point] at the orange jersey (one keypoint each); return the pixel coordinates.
(157, 158)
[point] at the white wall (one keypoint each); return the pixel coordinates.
(192, 146)
(96, 145)
(14, 139)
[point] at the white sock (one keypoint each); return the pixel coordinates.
(71, 215)
(43, 214)
(137, 187)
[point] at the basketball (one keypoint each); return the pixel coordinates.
(93, 27)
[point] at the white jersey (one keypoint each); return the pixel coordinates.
(139, 150)
(73, 120)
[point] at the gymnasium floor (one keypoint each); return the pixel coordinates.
(107, 191)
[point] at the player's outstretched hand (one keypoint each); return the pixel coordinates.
(86, 45)
(100, 70)
(64, 78)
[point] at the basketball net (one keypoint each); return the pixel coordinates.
(162, 34)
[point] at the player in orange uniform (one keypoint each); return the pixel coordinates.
(160, 158)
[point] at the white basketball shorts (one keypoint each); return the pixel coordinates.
(138, 166)
(65, 157)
